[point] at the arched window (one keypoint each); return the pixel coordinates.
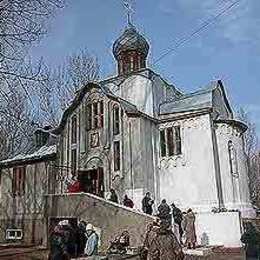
(95, 114)
(74, 130)
(232, 158)
(116, 120)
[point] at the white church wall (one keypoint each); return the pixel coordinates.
(235, 187)
(189, 179)
(218, 229)
(139, 159)
(137, 90)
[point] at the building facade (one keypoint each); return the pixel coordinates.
(137, 133)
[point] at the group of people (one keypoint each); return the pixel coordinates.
(127, 202)
(67, 241)
(184, 220)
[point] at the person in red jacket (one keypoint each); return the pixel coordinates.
(75, 187)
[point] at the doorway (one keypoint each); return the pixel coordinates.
(92, 181)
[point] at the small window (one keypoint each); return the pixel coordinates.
(89, 116)
(170, 141)
(101, 114)
(95, 115)
(116, 120)
(116, 156)
(14, 234)
(18, 181)
(177, 132)
(74, 130)
(232, 159)
(163, 143)
(73, 161)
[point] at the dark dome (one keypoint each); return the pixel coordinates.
(130, 40)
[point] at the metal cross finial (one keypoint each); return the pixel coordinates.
(129, 11)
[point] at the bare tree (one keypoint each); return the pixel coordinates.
(22, 23)
(252, 157)
(16, 124)
(56, 93)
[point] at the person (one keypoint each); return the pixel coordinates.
(81, 238)
(58, 250)
(149, 251)
(113, 196)
(75, 187)
(189, 228)
(147, 204)
(91, 248)
(161, 244)
(164, 213)
(124, 239)
(119, 244)
(251, 238)
(168, 245)
(177, 218)
(70, 238)
(128, 202)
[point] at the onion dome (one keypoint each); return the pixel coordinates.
(130, 50)
(130, 40)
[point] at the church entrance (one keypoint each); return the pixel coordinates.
(92, 181)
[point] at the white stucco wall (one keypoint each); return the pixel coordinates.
(219, 229)
(138, 90)
(189, 179)
(235, 189)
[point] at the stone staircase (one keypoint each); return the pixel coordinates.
(109, 219)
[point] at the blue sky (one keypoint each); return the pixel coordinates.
(229, 49)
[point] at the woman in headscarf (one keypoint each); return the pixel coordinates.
(92, 241)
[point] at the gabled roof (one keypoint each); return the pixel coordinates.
(127, 106)
(42, 154)
(201, 99)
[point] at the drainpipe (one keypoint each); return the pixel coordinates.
(217, 164)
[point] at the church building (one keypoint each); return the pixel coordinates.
(135, 133)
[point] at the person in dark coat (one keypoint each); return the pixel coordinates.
(81, 238)
(177, 218)
(58, 249)
(70, 236)
(147, 204)
(251, 238)
(164, 214)
(113, 196)
(128, 202)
